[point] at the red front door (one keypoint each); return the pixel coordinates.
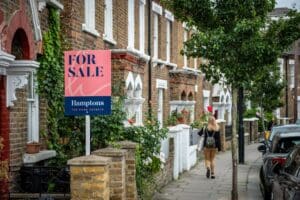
(4, 140)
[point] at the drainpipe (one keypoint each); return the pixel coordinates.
(150, 60)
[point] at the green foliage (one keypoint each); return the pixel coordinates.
(250, 113)
(232, 36)
(108, 129)
(201, 122)
(50, 79)
(266, 90)
(174, 118)
(148, 160)
(268, 117)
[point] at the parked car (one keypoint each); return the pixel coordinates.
(279, 129)
(286, 183)
(281, 144)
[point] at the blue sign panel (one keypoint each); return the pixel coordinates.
(88, 105)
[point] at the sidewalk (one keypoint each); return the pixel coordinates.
(194, 185)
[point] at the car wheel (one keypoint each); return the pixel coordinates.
(263, 189)
(267, 195)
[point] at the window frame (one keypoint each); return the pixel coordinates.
(89, 24)
(142, 4)
(108, 22)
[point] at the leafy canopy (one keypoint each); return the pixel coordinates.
(233, 36)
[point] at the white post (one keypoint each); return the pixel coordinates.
(87, 135)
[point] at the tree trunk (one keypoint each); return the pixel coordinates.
(234, 192)
(241, 125)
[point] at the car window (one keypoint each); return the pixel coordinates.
(284, 129)
(285, 145)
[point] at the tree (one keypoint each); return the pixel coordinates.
(233, 36)
(266, 89)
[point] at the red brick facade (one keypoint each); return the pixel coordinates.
(16, 22)
(124, 61)
(289, 110)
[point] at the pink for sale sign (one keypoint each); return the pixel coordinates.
(87, 82)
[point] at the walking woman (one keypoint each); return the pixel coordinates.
(212, 144)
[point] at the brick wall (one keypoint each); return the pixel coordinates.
(73, 17)
(166, 174)
(131, 189)
(89, 177)
(116, 171)
(18, 133)
(18, 15)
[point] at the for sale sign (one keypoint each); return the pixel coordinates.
(87, 82)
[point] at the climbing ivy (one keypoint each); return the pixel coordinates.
(50, 78)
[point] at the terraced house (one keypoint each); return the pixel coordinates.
(145, 42)
(289, 68)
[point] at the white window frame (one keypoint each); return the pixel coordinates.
(185, 36)
(161, 86)
(21, 73)
(157, 9)
(160, 110)
(168, 41)
(280, 63)
(170, 18)
(142, 4)
(292, 73)
(89, 18)
(131, 26)
(108, 22)
(33, 110)
(155, 36)
(206, 95)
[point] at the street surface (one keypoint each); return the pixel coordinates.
(194, 185)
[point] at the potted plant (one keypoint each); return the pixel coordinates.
(180, 118)
(132, 120)
(33, 147)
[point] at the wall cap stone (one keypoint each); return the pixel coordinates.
(90, 160)
(183, 126)
(110, 152)
(174, 129)
(42, 155)
(127, 144)
(250, 119)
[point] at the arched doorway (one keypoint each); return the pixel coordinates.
(20, 45)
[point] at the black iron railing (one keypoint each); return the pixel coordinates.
(44, 182)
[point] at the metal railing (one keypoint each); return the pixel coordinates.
(40, 182)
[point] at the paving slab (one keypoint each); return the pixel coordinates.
(193, 185)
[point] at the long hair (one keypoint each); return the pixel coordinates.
(212, 124)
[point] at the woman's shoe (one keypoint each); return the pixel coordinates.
(212, 176)
(208, 173)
